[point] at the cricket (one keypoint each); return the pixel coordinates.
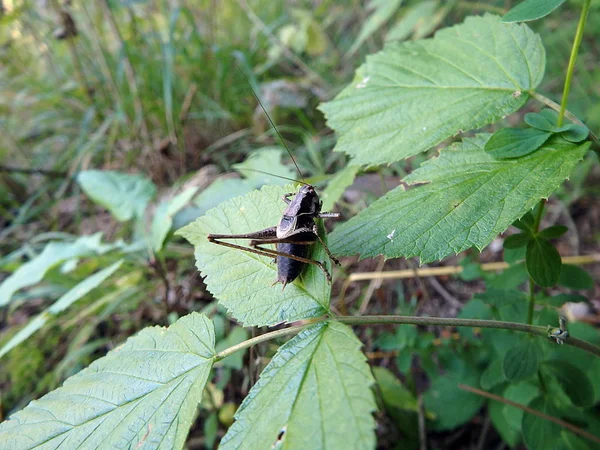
(296, 231)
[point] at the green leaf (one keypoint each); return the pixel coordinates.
(521, 361)
(414, 95)
(531, 10)
(317, 389)
(540, 121)
(144, 393)
(537, 431)
(525, 223)
(508, 143)
(553, 232)
(124, 195)
(575, 133)
(393, 393)
(243, 281)
(70, 297)
(575, 277)
(444, 393)
(382, 10)
(574, 381)
(223, 189)
(468, 200)
(493, 374)
(543, 262)
(163, 217)
(336, 187)
(422, 12)
(522, 392)
(506, 432)
(53, 254)
(517, 240)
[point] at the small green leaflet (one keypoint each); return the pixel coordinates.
(124, 195)
(509, 143)
(543, 262)
(243, 281)
(575, 277)
(142, 394)
(316, 391)
(547, 119)
(468, 199)
(539, 432)
(413, 95)
(64, 302)
(531, 10)
(574, 381)
(444, 391)
(521, 361)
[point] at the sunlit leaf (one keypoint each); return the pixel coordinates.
(124, 195)
(413, 95)
(336, 187)
(468, 200)
(163, 217)
(142, 394)
(53, 254)
(266, 159)
(64, 302)
(243, 281)
(531, 10)
(315, 393)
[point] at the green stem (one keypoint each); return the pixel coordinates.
(412, 320)
(536, 228)
(570, 69)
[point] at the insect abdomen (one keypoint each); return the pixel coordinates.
(289, 269)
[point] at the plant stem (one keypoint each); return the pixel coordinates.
(536, 227)
(578, 36)
(412, 320)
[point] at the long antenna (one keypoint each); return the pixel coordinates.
(272, 124)
(272, 175)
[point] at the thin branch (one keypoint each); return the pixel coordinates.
(529, 410)
(412, 320)
(455, 270)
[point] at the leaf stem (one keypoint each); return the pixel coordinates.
(571, 67)
(412, 320)
(536, 228)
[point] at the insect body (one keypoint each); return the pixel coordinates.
(297, 230)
